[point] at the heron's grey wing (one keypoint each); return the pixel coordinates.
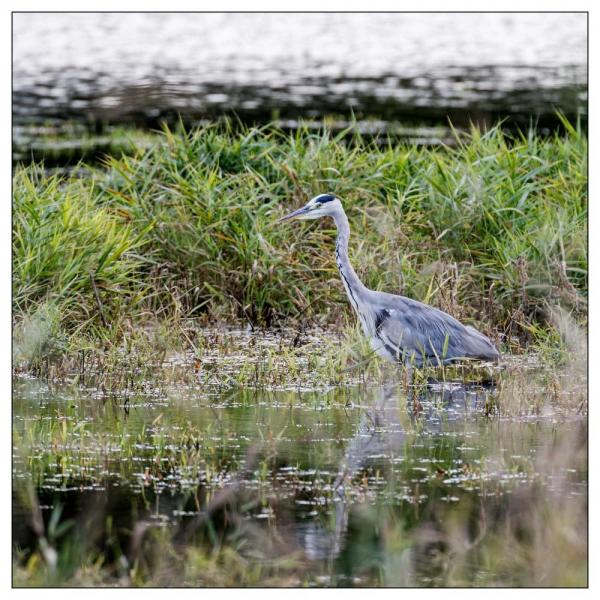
(479, 346)
(411, 328)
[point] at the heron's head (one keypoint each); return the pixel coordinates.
(323, 205)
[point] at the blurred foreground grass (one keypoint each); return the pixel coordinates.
(492, 230)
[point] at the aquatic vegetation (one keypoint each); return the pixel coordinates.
(235, 464)
(492, 231)
(352, 485)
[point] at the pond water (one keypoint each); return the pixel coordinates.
(412, 67)
(356, 485)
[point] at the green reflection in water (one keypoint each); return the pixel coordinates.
(351, 486)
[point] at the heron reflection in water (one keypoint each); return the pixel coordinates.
(385, 427)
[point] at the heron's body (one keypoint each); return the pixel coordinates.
(399, 329)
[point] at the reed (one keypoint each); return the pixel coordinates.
(492, 230)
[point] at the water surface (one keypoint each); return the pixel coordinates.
(419, 67)
(359, 485)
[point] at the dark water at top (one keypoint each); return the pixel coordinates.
(140, 68)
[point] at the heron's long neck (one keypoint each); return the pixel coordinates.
(352, 283)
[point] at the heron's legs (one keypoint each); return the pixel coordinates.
(408, 375)
(412, 392)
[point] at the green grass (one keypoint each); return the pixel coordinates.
(492, 230)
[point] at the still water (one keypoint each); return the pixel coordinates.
(419, 67)
(352, 486)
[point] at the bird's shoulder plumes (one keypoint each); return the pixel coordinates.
(409, 324)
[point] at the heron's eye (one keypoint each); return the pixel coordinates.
(324, 198)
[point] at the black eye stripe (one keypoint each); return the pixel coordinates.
(325, 198)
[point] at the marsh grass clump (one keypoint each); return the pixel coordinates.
(492, 230)
(72, 255)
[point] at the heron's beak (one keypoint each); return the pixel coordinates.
(294, 215)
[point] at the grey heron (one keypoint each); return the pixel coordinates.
(400, 329)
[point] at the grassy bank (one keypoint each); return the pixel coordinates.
(492, 231)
